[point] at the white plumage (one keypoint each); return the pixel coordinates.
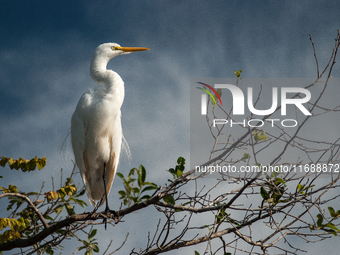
(96, 130)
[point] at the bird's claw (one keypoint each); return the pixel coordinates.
(109, 214)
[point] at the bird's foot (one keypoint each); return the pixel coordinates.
(110, 214)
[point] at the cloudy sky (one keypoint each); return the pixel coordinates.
(46, 48)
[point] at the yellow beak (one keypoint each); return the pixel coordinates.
(132, 49)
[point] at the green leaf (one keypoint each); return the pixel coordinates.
(143, 172)
(331, 211)
(92, 234)
(332, 226)
(139, 172)
(197, 253)
(300, 187)
(96, 249)
(263, 137)
(89, 252)
(169, 199)
(260, 136)
(181, 161)
(277, 194)
(61, 192)
(49, 250)
(320, 220)
(245, 156)
(221, 216)
(145, 197)
(41, 163)
(69, 209)
(81, 193)
(172, 171)
(238, 73)
(58, 209)
(151, 183)
(47, 217)
(78, 201)
(135, 190)
(149, 188)
(279, 180)
(122, 193)
(120, 175)
(331, 231)
(264, 193)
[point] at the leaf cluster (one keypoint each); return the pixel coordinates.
(133, 193)
(176, 172)
(16, 226)
(303, 189)
(179, 168)
(23, 221)
(273, 190)
(329, 226)
(260, 136)
(24, 165)
(90, 245)
(238, 74)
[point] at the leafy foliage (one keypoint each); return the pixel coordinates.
(273, 190)
(16, 226)
(303, 189)
(133, 193)
(329, 226)
(245, 157)
(90, 245)
(24, 165)
(176, 172)
(179, 168)
(23, 223)
(260, 136)
(238, 74)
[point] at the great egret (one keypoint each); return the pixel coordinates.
(96, 129)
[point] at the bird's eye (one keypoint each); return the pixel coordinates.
(115, 48)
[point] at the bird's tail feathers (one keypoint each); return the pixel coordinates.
(126, 149)
(65, 147)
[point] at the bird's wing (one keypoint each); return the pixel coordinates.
(79, 126)
(111, 167)
(115, 144)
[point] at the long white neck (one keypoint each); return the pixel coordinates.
(100, 74)
(110, 79)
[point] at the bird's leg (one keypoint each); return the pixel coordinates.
(104, 180)
(107, 209)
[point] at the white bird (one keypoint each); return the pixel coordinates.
(96, 129)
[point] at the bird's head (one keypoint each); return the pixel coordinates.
(102, 56)
(110, 50)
